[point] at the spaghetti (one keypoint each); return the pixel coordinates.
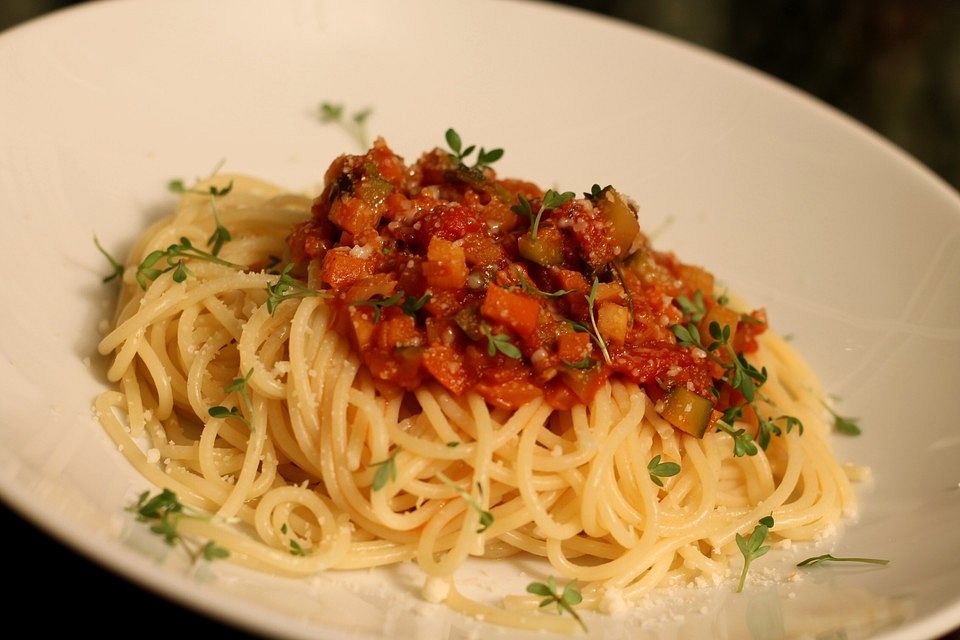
(326, 466)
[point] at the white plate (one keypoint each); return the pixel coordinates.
(850, 244)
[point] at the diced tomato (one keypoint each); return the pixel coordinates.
(398, 330)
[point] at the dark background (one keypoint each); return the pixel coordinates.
(892, 64)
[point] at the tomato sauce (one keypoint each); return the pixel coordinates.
(437, 273)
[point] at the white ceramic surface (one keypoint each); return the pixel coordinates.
(851, 245)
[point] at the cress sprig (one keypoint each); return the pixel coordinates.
(174, 257)
(595, 332)
(659, 470)
(486, 518)
(530, 288)
(163, 512)
(842, 425)
(220, 234)
(386, 470)
(551, 200)
(287, 288)
(484, 157)
(355, 127)
(825, 558)
(752, 547)
(500, 342)
(565, 601)
(739, 373)
(238, 385)
(118, 268)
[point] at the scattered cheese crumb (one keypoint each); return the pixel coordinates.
(857, 472)
(435, 589)
(153, 456)
(613, 601)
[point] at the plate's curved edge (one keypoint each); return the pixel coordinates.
(174, 586)
(791, 92)
(179, 588)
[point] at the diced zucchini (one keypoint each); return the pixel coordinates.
(687, 411)
(623, 220)
(470, 322)
(546, 250)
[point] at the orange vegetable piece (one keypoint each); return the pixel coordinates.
(514, 310)
(446, 265)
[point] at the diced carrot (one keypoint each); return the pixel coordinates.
(362, 326)
(609, 292)
(612, 321)
(481, 249)
(446, 266)
(446, 365)
(573, 347)
(696, 278)
(340, 269)
(517, 311)
(399, 330)
(511, 394)
(353, 214)
(367, 287)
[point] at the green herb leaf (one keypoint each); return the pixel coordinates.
(693, 309)
(486, 518)
(286, 288)
(174, 256)
(163, 513)
(460, 154)
(845, 426)
(743, 444)
(586, 363)
(117, 267)
(355, 127)
(817, 560)
(386, 471)
(595, 333)
(659, 470)
(551, 200)
(411, 305)
(565, 601)
(529, 287)
(499, 342)
(212, 552)
(379, 303)
(752, 548)
(297, 550)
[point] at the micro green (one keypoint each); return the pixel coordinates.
(565, 601)
(354, 126)
(174, 258)
(411, 305)
(842, 425)
(386, 470)
(659, 470)
(486, 518)
(752, 547)
(500, 342)
(595, 333)
(551, 200)
(825, 558)
(693, 309)
(238, 386)
(379, 303)
(460, 153)
(287, 288)
(117, 267)
(163, 512)
(530, 288)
